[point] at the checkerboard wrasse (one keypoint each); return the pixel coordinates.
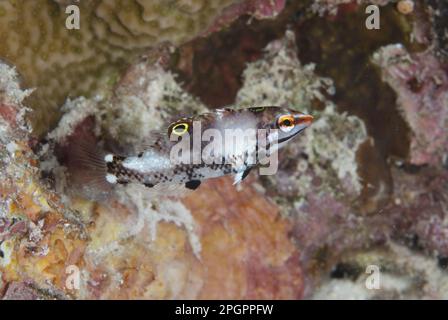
(194, 149)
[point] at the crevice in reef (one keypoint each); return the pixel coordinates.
(214, 72)
(211, 68)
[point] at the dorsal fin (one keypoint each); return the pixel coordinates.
(156, 139)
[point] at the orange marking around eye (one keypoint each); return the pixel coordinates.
(283, 119)
(304, 118)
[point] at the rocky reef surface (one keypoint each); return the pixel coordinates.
(149, 247)
(366, 185)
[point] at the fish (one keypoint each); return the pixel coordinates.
(193, 149)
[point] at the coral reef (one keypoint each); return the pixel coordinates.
(332, 7)
(148, 247)
(324, 185)
(422, 96)
(318, 183)
(419, 208)
(60, 61)
(404, 275)
(438, 12)
(38, 236)
(121, 255)
(410, 205)
(366, 185)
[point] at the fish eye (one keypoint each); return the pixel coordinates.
(180, 128)
(286, 123)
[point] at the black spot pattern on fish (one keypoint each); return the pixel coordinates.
(234, 162)
(124, 175)
(193, 184)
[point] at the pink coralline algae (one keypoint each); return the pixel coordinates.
(421, 83)
(260, 9)
(11, 227)
(266, 9)
(22, 291)
(420, 208)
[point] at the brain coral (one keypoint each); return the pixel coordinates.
(58, 61)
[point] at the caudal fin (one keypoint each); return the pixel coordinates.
(85, 164)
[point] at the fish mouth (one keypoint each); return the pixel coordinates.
(303, 120)
(290, 137)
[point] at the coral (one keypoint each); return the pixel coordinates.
(247, 225)
(419, 208)
(438, 10)
(23, 291)
(409, 205)
(243, 256)
(331, 7)
(259, 9)
(346, 195)
(58, 61)
(329, 146)
(37, 231)
(145, 99)
(404, 274)
(148, 247)
(318, 179)
(280, 79)
(10, 89)
(155, 98)
(422, 96)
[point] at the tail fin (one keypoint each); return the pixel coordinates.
(85, 164)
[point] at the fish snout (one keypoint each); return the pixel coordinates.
(303, 120)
